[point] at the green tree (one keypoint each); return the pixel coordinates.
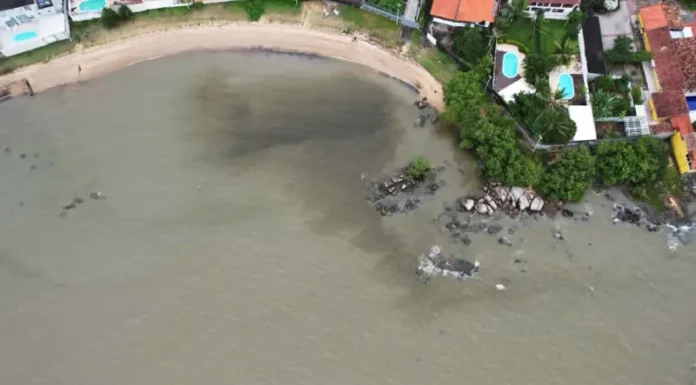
(464, 98)
(545, 116)
(418, 168)
(623, 52)
(537, 68)
(125, 13)
(254, 9)
(569, 177)
(604, 104)
(575, 18)
(109, 18)
(540, 28)
(470, 44)
(636, 164)
(565, 51)
(512, 13)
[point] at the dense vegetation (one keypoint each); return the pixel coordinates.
(623, 52)
(610, 97)
(544, 115)
(485, 130)
(471, 44)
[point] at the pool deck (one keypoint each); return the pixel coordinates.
(501, 81)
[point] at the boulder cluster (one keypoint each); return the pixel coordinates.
(434, 263)
(511, 200)
(396, 194)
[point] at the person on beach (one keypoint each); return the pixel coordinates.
(79, 70)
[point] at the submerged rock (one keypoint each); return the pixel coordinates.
(505, 240)
(433, 264)
(494, 229)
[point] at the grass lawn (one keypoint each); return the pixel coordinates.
(441, 66)
(380, 28)
(521, 31)
(35, 56)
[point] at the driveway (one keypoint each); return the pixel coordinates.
(615, 24)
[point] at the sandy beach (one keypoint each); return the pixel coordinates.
(100, 60)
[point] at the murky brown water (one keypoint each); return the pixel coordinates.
(275, 270)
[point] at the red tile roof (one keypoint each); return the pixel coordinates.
(682, 123)
(661, 128)
(672, 12)
(653, 17)
(670, 103)
(685, 49)
(468, 11)
(690, 143)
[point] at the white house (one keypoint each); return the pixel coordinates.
(29, 24)
(558, 9)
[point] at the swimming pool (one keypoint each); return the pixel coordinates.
(565, 84)
(92, 5)
(691, 101)
(24, 36)
(510, 65)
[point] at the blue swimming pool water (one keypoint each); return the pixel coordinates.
(92, 5)
(24, 36)
(565, 84)
(510, 64)
(691, 101)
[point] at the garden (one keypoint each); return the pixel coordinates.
(522, 33)
(611, 97)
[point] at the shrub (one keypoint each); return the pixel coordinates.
(470, 44)
(125, 13)
(197, 6)
(623, 52)
(523, 48)
(254, 9)
(109, 18)
(418, 168)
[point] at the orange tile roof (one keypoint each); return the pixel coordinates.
(682, 123)
(653, 17)
(661, 128)
(468, 11)
(672, 13)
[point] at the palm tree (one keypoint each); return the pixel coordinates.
(540, 27)
(566, 49)
(604, 103)
(575, 17)
(558, 129)
(517, 10)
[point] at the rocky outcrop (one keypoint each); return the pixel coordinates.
(511, 200)
(434, 264)
(396, 194)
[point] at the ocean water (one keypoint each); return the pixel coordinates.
(234, 245)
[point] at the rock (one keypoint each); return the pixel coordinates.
(505, 240)
(494, 229)
(537, 204)
(492, 206)
(7, 149)
(434, 187)
(22, 156)
(435, 119)
(481, 208)
(488, 199)
(32, 167)
(567, 213)
(78, 200)
(501, 192)
(500, 287)
(512, 230)
(558, 235)
(516, 193)
(523, 203)
(97, 195)
(469, 204)
(530, 195)
(423, 119)
(465, 240)
(586, 216)
(70, 206)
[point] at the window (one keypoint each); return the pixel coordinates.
(557, 10)
(688, 160)
(568, 6)
(557, 5)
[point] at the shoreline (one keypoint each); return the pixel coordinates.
(282, 38)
